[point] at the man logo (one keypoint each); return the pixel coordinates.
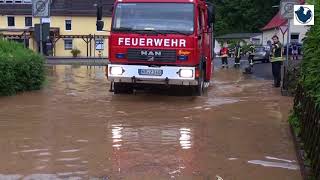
(151, 59)
(151, 53)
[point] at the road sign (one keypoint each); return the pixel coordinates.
(41, 8)
(283, 29)
(287, 8)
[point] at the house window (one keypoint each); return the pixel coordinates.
(68, 44)
(99, 44)
(294, 37)
(68, 25)
(28, 21)
(11, 21)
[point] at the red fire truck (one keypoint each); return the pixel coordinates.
(166, 42)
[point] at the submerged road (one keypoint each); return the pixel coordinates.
(75, 129)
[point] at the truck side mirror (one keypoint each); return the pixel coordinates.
(211, 13)
(100, 23)
(211, 19)
(99, 13)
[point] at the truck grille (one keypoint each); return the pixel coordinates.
(152, 55)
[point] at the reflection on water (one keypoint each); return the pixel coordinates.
(33, 150)
(185, 138)
(10, 177)
(279, 159)
(275, 164)
(117, 136)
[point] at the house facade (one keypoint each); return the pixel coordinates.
(72, 25)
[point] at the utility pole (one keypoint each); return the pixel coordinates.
(288, 41)
(41, 37)
(41, 9)
(287, 12)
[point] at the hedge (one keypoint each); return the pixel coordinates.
(310, 69)
(20, 69)
(309, 75)
(309, 92)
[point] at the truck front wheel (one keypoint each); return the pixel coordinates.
(199, 89)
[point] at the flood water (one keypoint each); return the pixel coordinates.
(75, 129)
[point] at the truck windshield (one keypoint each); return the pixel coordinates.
(174, 18)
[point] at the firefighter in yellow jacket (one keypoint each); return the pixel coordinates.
(276, 60)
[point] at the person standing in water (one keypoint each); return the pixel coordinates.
(237, 56)
(276, 60)
(252, 50)
(224, 53)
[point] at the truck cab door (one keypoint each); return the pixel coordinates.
(204, 43)
(208, 44)
(200, 32)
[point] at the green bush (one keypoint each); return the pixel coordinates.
(75, 52)
(310, 71)
(245, 48)
(20, 69)
(292, 78)
(295, 123)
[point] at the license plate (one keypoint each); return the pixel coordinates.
(150, 72)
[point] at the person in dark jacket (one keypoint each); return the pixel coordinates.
(276, 60)
(237, 52)
(252, 50)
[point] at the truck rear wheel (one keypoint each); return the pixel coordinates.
(122, 88)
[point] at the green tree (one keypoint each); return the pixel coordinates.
(243, 15)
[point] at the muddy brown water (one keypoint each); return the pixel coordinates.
(75, 129)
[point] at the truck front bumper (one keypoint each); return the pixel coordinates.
(171, 75)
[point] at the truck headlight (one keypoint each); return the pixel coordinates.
(116, 70)
(186, 73)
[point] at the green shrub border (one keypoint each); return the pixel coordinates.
(309, 79)
(20, 69)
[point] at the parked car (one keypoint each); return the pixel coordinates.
(262, 54)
